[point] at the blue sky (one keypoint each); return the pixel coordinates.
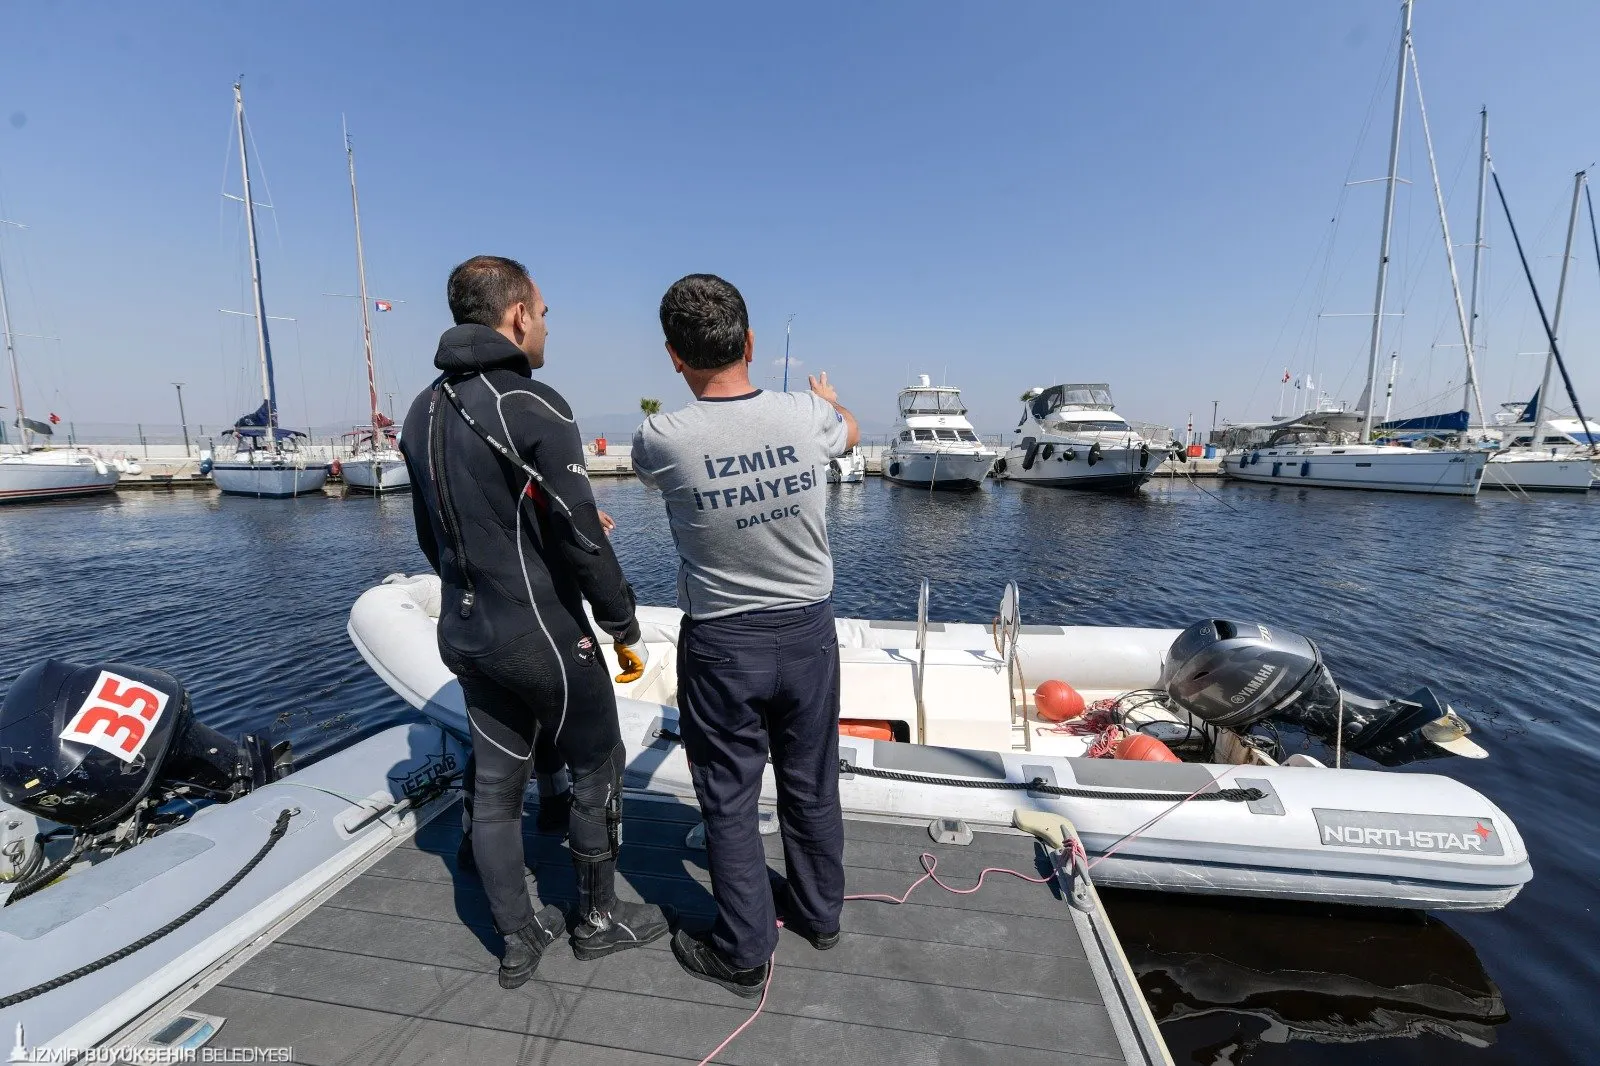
(1002, 196)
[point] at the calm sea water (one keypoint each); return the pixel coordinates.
(1493, 601)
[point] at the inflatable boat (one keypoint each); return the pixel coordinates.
(139, 848)
(941, 721)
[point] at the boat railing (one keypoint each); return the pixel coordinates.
(922, 660)
(1007, 634)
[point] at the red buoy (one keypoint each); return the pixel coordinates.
(1057, 701)
(336, 468)
(1145, 747)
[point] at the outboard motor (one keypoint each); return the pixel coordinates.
(1237, 674)
(104, 750)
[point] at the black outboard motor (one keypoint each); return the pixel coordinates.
(1237, 674)
(90, 746)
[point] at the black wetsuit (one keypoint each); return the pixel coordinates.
(516, 560)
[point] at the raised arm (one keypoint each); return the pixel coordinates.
(825, 392)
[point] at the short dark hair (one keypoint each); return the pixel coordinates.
(481, 289)
(705, 321)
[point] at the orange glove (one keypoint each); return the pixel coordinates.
(631, 660)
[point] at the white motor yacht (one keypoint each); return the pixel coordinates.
(849, 469)
(934, 446)
(1071, 437)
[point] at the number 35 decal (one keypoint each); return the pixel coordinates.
(117, 716)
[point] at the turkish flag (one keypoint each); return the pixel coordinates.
(55, 419)
(385, 305)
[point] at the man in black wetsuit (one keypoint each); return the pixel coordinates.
(505, 515)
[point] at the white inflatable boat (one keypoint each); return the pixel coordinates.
(970, 745)
(169, 850)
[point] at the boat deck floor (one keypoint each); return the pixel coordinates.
(399, 965)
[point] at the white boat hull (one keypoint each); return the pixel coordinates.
(377, 475)
(53, 475)
(848, 469)
(1337, 836)
(937, 470)
(269, 480)
(1384, 469)
(1539, 473)
(1065, 465)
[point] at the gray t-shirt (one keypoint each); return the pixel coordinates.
(743, 479)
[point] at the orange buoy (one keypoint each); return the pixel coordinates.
(336, 468)
(866, 728)
(1057, 701)
(1145, 747)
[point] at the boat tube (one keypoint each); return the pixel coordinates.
(1239, 822)
(139, 848)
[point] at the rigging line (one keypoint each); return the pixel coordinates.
(1550, 334)
(266, 186)
(1594, 235)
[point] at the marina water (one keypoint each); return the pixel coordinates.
(1491, 601)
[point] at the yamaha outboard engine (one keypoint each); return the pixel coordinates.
(1237, 674)
(104, 749)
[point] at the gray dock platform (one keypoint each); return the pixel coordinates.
(398, 967)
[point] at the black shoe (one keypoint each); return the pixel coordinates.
(700, 959)
(554, 814)
(783, 905)
(525, 947)
(606, 924)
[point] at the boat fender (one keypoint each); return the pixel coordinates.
(1069, 455)
(866, 728)
(1144, 456)
(205, 466)
(894, 469)
(1057, 701)
(336, 468)
(1095, 454)
(1145, 748)
(1000, 465)
(1047, 451)
(1255, 457)
(1029, 455)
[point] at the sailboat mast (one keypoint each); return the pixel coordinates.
(1555, 320)
(11, 356)
(361, 270)
(1477, 246)
(269, 392)
(1388, 223)
(1449, 250)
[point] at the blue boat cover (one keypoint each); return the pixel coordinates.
(1454, 422)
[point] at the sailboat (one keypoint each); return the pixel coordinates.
(37, 472)
(377, 465)
(267, 460)
(1547, 454)
(1333, 448)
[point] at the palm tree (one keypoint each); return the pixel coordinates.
(649, 406)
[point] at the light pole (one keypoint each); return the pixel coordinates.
(786, 326)
(183, 419)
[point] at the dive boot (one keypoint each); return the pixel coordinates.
(525, 947)
(606, 924)
(700, 959)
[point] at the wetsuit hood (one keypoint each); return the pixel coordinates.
(475, 348)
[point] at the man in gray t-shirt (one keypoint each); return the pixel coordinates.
(742, 478)
(741, 473)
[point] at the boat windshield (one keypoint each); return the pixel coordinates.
(1091, 425)
(931, 402)
(1081, 396)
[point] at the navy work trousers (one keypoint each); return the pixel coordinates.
(746, 684)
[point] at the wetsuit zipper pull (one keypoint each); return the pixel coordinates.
(466, 603)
